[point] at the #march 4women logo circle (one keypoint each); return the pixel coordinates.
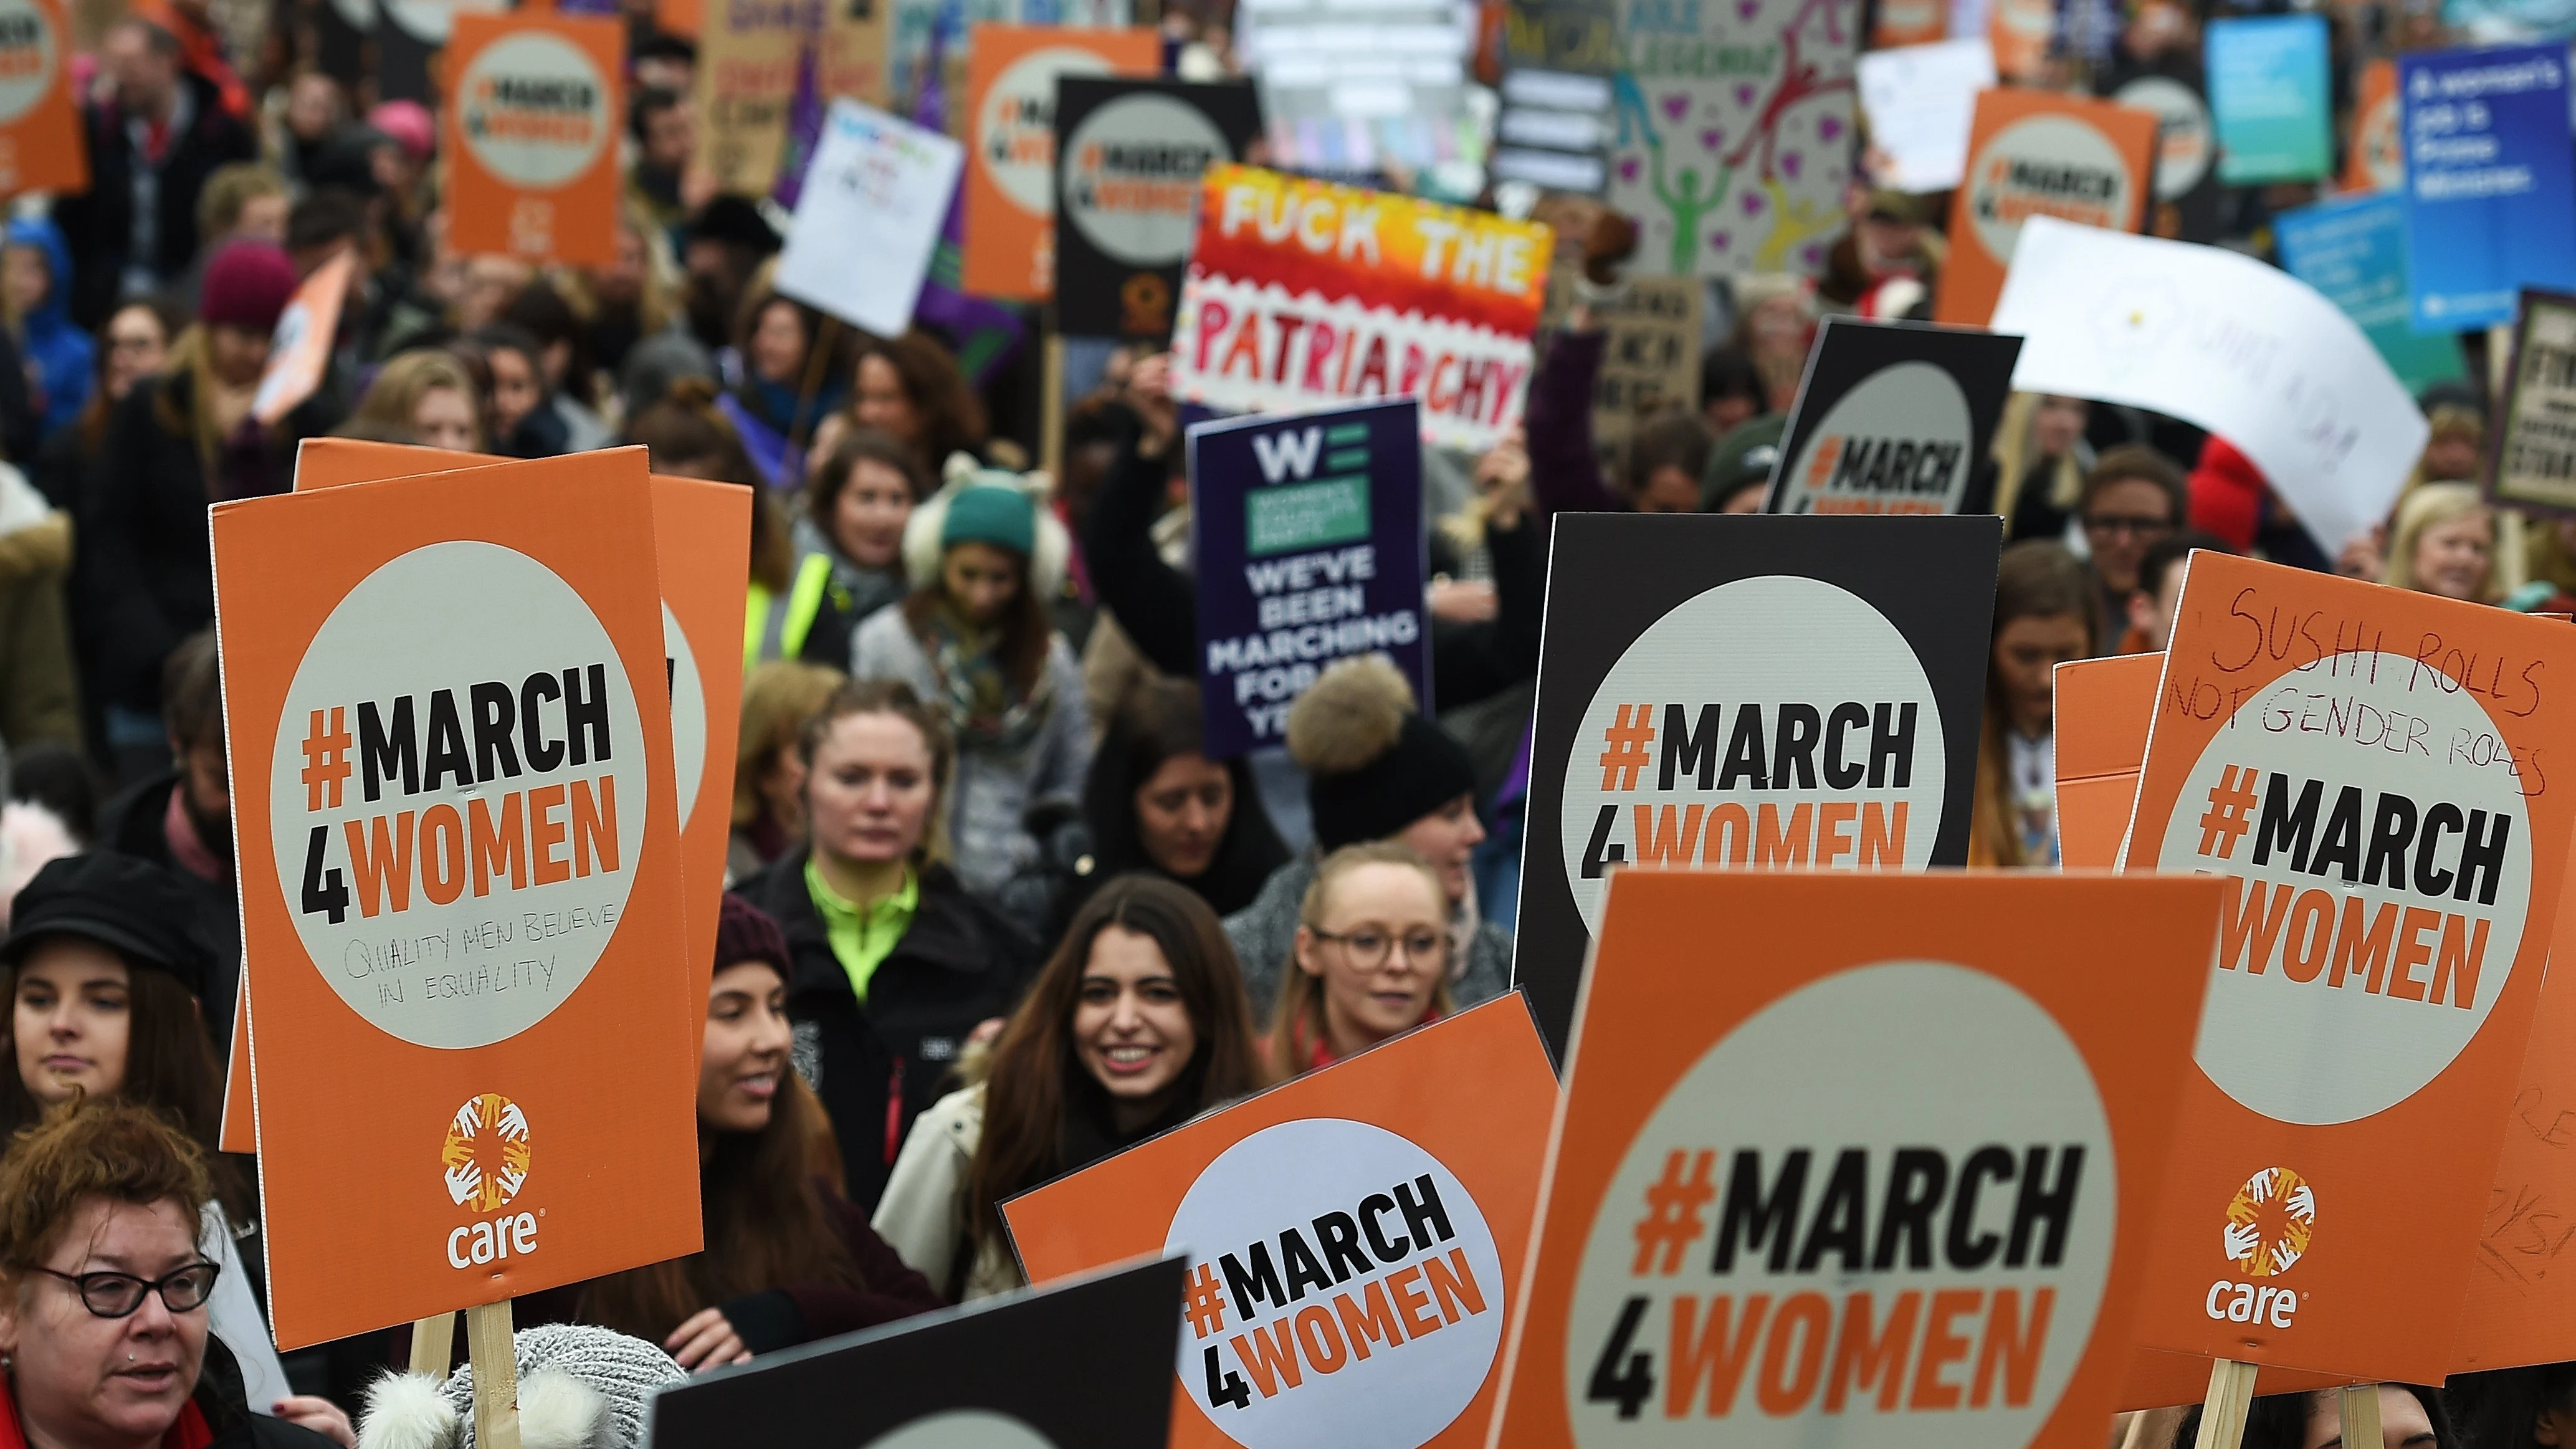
(457, 835)
(1344, 1288)
(1879, 1212)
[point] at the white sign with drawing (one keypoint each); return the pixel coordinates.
(2222, 340)
(874, 201)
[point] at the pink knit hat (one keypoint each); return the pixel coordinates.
(408, 123)
(247, 285)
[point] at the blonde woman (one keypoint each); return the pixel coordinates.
(2444, 542)
(768, 775)
(428, 396)
(1371, 960)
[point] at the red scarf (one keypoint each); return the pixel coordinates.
(1320, 1054)
(190, 1432)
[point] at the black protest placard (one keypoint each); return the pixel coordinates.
(1746, 692)
(1128, 157)
(2533, 462)
(1893, 417)
(1086, 1364)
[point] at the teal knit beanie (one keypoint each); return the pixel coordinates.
(985, 513)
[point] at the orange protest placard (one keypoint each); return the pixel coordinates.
(1872, 1193)
(2377, 160)
(41, 146)
(2518, 1308)
(1353, 1238)
(1854, 1160)
(699, 529)
(532, 122)
(1011, 71)
(299, 351)
(2365, 771)
(460, 866)
(2039, 153)
(2100, 722)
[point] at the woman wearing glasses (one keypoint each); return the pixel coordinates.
(1372, 957)
(104, 1292)
(103, 970)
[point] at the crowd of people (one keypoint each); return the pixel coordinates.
(993, 910)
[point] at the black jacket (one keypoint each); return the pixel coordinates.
(877, 1066)
(143, 569)
(99, 223)
(131, 825)
(220, 1397)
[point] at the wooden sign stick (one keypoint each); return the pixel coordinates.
(433, 1344)
(2361, 1416)
(496, 1376)
(2222, 1414)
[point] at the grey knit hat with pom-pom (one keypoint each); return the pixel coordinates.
(579, 1388)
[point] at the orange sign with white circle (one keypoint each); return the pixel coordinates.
(531, 126)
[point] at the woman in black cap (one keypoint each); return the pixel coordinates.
(104, 962)
(1376, 770)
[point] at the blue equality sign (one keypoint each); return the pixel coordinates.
(2353, 251)
(2268, 93)
(2490, 181)
(1307, 536)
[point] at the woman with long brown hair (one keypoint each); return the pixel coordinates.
(788, 1259)
(1136, 1025)
(975, 639)
(2045, 615)
(912, 388)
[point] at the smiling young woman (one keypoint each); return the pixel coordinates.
(1136, 1025)
(1372, 957)
(788, 1259)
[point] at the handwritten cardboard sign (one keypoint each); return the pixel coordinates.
(1353, 1239)
(2228, 342)
(1879, 1190)
(2367, 774)
(459, 861)
(1304, 293)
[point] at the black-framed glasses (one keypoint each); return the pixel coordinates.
(117, 1295)
(1368, 947)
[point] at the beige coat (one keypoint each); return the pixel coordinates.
(922, 1215)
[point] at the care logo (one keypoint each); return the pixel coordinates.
(459, 828)
(2365, 810)
(485, 1162)
(1839, 1228)
(1344, 1288)
(2269, 1223)
(1729, 739)
(2046, 165)
(1131, 176)
(1900, 442)
(486, 1155)
(30, 49)
(963, 1429)
(2185, 140)
(535, 109)
(1015, 129)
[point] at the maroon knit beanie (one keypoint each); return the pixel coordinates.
(247, 285)
(745, 932)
